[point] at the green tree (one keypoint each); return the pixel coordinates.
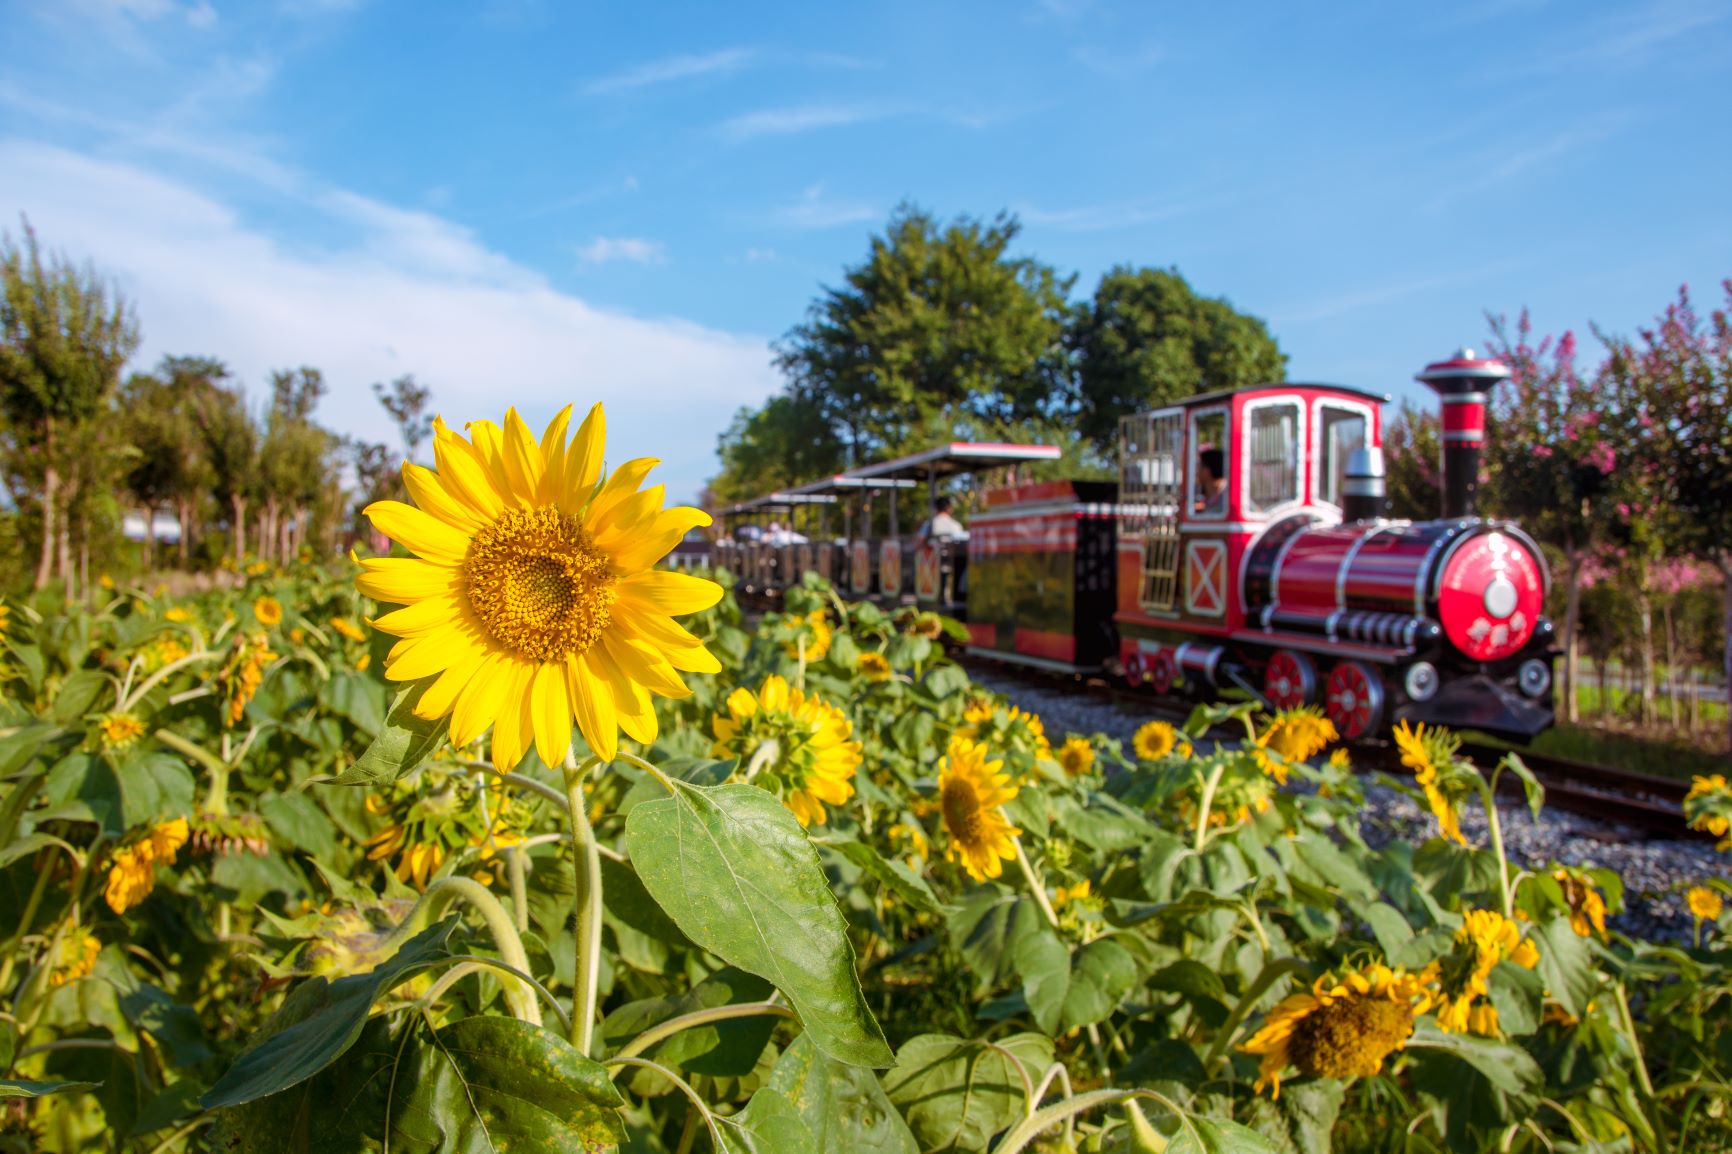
(790, 440)
(1146, 339)
(231, 446)
(170, 464)
(64, 335)
(939, 333)
(297, 463)
(1412, 448)
(407, 403)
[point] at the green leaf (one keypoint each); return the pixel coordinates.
(1218, 1136)
(770, 1124)
(1536, 793)
(404, 742)
(1565, 965)
(17, 749)
(735, 871)
(319, 1021)
(1303, 1119)
(15, 1088)
(141, 790)
(722, 1049)
(297, 820)
(844, 1106)
(901, 881)
(1190, 977)
(31, 843)
(174, 1026)
(626, 899)
(1509, 1068)
(1064, 992)
(1388, 925)
(956, 1093)
(987, 926)
(357, 697)
(944, 680)
(78, 694)
(1334, 867)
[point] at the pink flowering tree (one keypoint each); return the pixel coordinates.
(1551, 460)
(1674, 382)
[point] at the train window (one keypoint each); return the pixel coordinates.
(1272, 475)
(1151, 456)
(1339, 432)
(1211, 463)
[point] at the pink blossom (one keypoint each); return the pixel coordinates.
(1542, 451)
(1601, 457)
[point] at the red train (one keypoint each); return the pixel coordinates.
(1243, 546)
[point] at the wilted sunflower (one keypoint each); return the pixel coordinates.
(132, 870)
(1587, 906)
(1154, 740)
(815, 761)
(970, 791)
(1431, 757)
(243, 672)
(177, 614)
(161, 651)
(1008, 728)
(74, 958)
(1485, 938)
(927, 625)
(1341, 1028)
(533, 596)
(268, 610)
(1077, 756)
(812, 636)
(874, 666)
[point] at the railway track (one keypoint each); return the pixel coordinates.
(1650, 805)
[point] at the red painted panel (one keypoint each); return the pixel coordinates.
(983, 634)
(1023, 494)
(1306, 578)
(1385, 573)
(1045, 643)
(1491, 597)
(1464, 418)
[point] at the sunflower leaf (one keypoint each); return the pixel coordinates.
(735, 871)
(404, 742)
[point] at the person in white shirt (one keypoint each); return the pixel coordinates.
(780, 535)
(941, 526)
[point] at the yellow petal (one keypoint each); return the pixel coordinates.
(405, 580)
(644, 624)
(632, 707)
(553, 457)
(466, 476)
(621, 484)
(636, 552)
(430, 653)
(427, 492)
(628, 516)
(480, 701)
(439, 697)
(423, 616)
(592, 706)
(512, 725)
(583, 461)
(774, 693)
(421, 532)
(644, 665)
(489, 441)
(551, 711)
(522, 458)
(693, 660)
(666, 592)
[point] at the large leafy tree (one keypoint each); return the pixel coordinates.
(170, 465)
(1147, 339)
(230, 439)
(65, 332)
(940, 332)
(790, 439)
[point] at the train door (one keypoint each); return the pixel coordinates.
(1204, 572)
(1151, 447)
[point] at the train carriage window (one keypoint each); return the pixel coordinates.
(1272, 472)
(1151, 456)
(1211, 464)
(1339, 432)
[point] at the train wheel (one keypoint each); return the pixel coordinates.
(1136, 671)
(1290, 680)
(1161, 673)
(1353, 699)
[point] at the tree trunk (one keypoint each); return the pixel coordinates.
(183, 510)
(239, 505)
(149, 538)
(1605, 696)
(84, 556)
(1671, 662)
(1645, 610)
(50, 495)
(1572, 631)
(1726, 635)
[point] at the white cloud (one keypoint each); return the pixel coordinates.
(805, 118)
(604, 249)
(754, 255)
(815, 210)
(404, 292)
(672, 68)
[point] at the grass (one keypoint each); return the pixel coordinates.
(1616, 741)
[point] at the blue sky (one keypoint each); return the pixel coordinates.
(536, 202)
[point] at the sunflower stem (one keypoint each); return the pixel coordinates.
(588, 861)
(516, 864)
(1209, 786)
(519, 998)
(1035, 885)
(765, 754)
(1270, 974)
(1505, 896)
(640, 763)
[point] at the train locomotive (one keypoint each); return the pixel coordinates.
(1242, 547)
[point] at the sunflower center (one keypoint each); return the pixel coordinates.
(1350, 1038)
(539, 584)
(961, 807)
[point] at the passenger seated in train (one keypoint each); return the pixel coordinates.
(779, 534)
(941, 526)
(1211, 485)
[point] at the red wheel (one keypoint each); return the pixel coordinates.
(1136, 670)
(1290, 680)
(1353, 699)
(1161, 673)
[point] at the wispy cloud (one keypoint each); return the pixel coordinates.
(671, 68)
(802, 118)
(816, 210)
(1375, 295)
(1520, 157)
(759, 255)
(607, 249)
(1119, 61)
(1101, 217)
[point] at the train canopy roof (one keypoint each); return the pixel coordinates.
(844, 483)
(956, 457)
(1282, 386)
(779, 502)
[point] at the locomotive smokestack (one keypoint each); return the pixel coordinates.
(1463, 383)
(1362, 490)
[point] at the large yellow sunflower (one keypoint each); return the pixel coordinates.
(1485, 938)
(970, 791)
(1297, 735)
(1076, 755)
(814, 758)
(1341, 1028)
(532, 595)
(1154, 740)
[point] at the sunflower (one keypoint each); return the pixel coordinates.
(970, 791)
(117, 731)
(1065, 895)
(132, 870)
(1485, 938)
(268, 610)
(1587, 906)
(812, 637)
(348, 629)
(244, 672)
(1154, 740)
(874, 666)
(532, 596)
(161, 651)
(1431, 756)
(179, 614)
(814, 758)
(1705, 904)
(1296, 735)
(1077, 756)
(74, 957)
(1341, 1028)
(1338, 759)
(927, 625)
(1009, 728)
(1708, 805)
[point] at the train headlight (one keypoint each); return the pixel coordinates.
(1420, 681)
(1535, 677)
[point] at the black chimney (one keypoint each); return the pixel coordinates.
(1463, 383)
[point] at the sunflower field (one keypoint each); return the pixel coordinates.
(475, 847)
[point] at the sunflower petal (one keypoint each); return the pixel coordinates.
(466, 475)
(592, 706)
(583, 461)
(551, 713)
(419, 531)
(489, 441)
(627, 516)
(405, 580)
(620, 485)
(647, 546)
(426, 491)
(421, 618)
(522, 459)
(644, 665)
(437, 700)
(633, 708)
(430, 653)
(511, 728)
(695, 660)
(479, 703)
(553, 456)
(666, 592)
